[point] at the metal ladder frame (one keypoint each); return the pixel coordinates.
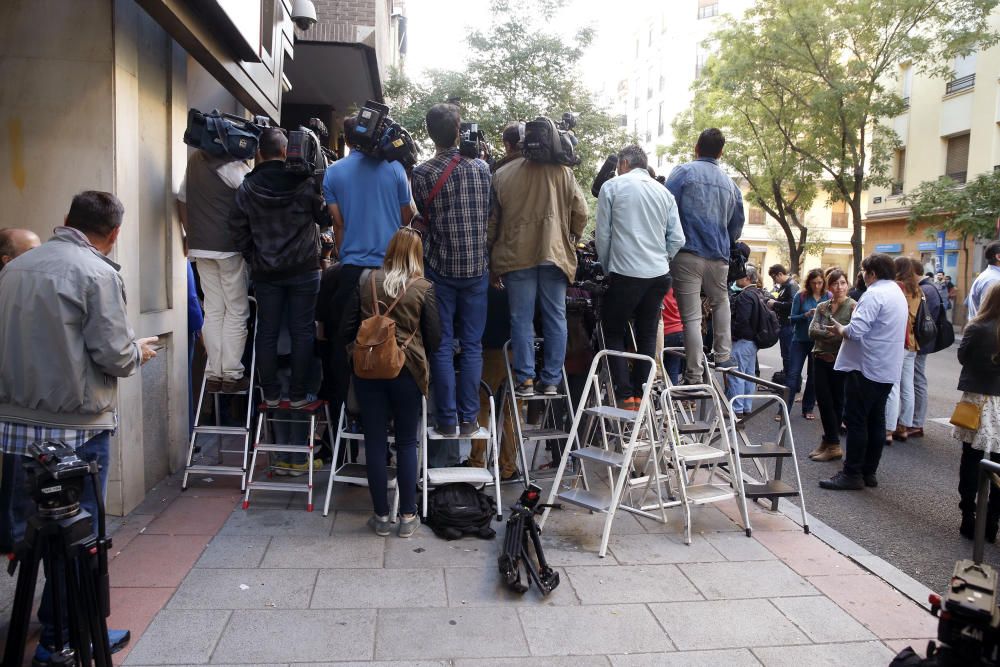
(349, 472)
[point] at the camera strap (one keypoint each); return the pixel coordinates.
(440, 182)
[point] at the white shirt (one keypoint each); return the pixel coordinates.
(979, 286)
(875, 339)
(232, 174)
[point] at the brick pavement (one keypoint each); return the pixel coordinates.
(200, 581)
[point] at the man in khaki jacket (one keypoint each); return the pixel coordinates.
(538, 214)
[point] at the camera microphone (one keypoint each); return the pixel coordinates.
(606, 173)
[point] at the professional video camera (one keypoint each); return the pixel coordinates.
(604, 174)
(549, 142)
(584, 295)
(472, 142)
(378, 135)
(55, 477)
(222, 134)
(306, 152)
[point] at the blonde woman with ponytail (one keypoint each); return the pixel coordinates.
(418, 333)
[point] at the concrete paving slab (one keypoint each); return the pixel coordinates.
(277, 522)
(754, 579)
(297, 636)
(244, 589)
(157, 561)
(178, 636)
(482, 587)
(234, 551)
(593, 630)
(729, 658)
(405, 634)
(662, 549)
(135, 609)
(631, 583)
(822, 620)
(425, 550)
(371, 589)
(705, 519)
(378, 663)
(738, 547)
(548, 661)
(879, 607)
(345, 497)
(573, 520)
(324, 552)
(352, 523)
(566, 550)
(825, 655)
(726, 624)
(192, 516)
(806, 554)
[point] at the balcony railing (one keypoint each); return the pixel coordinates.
(897, 189)
(963, 83)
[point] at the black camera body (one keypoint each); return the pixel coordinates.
(56, 477)
(222, 134)
(378, 135)
(472, 142)
(969, 625)
(306, 152)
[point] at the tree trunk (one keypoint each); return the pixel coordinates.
(857, 245)
(965, 278)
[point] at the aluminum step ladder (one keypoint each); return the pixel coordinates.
(623, 434)
(285, 414)
(202, 436)
(350, 471)
(547, 431)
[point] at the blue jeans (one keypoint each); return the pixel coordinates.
(745, 355)
(673, 363)
(398, 398)
(95, 449)
(548, 284)
(292, 301)
(801, 356)
(785, 343)
(462, 308)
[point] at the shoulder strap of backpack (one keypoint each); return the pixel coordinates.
(393, 305)
(441, 181)
(371, 281)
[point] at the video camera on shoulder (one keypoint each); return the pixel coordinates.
(472, 142)
(222, 134)
(306, 152)
(378, 135)
(551, 143)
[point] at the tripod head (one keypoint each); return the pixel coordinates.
(56, 476)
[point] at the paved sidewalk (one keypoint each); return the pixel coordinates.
(200, 581)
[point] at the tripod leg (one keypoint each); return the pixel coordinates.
(79, 635)
(20, 615)
(93, 608)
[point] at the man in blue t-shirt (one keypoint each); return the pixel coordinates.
(369, 199)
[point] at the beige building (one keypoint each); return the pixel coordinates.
(950, 127)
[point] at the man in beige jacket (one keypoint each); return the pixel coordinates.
(538, 214)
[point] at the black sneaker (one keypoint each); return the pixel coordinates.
(843, 482)
(525, 389)
(236, 386)
(871, 481)
(550, 390)
(468, 428)
(447, 429)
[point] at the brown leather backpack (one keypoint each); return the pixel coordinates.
(376, 354)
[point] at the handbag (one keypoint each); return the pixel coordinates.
(967, 415)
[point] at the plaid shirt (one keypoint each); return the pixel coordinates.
(455, 246)
(15, 438)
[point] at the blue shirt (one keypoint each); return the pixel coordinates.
(369, 193)
(802, 304)
(875, 339)
(638, 229)
(710, 206)
(979, 285)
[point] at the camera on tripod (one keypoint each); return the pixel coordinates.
(56, 476)
(378, 135)
(472, 142)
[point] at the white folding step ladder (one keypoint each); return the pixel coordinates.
(195, 463)
(350, 471)
(547, 431)
(265, 428)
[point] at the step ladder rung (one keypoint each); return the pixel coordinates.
(220, 430)
(357, 473)
(482, 433)
(682, 394)
(698, 452)
(694, 427)
(200, 469)
(541, 397)
(773, 488)
(608, 412)
(275, 447)
(535, 434)
(257, 485)
(587, 499)
(708, 493)
(599, 455)
(764, 450)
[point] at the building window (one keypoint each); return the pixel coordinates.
(650, 78)
(649, 125)
(964, 77)
(650, 35)
(957, 161)
(907, 76)
(708, 8)
(897, 184)
(659, 124)
(700, 58)
(838, 215)
(756, 216)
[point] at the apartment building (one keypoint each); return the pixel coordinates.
(669, 51)
(949, 128)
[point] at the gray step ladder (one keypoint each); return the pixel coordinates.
(284, 414)
(623, 435)
(202, 436)
(350, 471)
(546, 432)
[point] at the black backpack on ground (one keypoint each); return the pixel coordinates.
(765, 322)
(459, 509)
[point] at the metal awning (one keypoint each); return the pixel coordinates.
(340, 75)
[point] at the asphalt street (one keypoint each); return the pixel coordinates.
(911, 519)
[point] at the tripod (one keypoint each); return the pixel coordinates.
(521, 525)
(77, 563)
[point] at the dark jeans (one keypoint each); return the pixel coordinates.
(801, 357)
(336, 365)
(785, 342)
(291, 301)
(632, 298)
(864, 414)
(830, 398)
(400, 399)
(95, 449)
(968, 484)
(462, 308)
(673, 363)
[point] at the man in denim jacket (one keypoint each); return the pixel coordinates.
(711, 212)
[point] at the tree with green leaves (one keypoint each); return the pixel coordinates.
(836, 62)
(969, 212)
(517, 70)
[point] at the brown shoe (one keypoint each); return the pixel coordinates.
(236, 386)
(820, 448)
(915, 432)
(899, 434)
(213, 385)
(831, 453)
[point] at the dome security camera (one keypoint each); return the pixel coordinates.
(303, 14)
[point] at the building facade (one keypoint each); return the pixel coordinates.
(96, 97)
(950, 127)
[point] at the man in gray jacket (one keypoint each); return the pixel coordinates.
(64, 341)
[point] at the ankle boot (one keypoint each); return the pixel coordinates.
(968, 527)
(831, 453)
(820, 448)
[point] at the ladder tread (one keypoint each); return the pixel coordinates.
(200, 469)
(699, 452)
(708, 493)
(764, 450)
(220, 430)
(482, 433)
(278, 447)
(599, 455)
(278, 486)
(540, 397)
(694, 427)
(608, 412)
(544, 434)
(358, 474)
(439, 476)
(313, 406)
(773, 488)
(587, 499)
(681, 393)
